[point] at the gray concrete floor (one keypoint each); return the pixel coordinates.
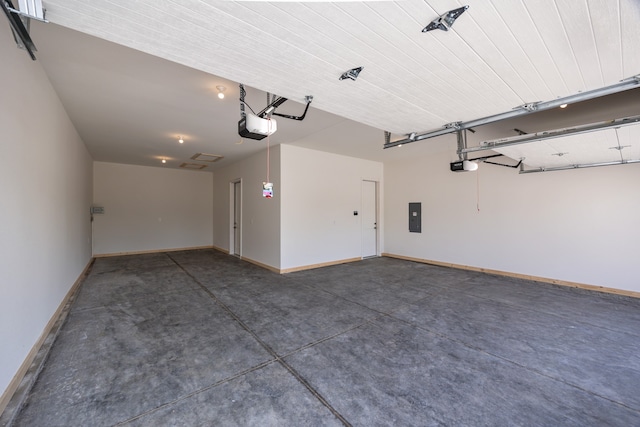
(201, 338)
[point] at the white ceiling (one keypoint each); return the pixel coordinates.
(130, 106)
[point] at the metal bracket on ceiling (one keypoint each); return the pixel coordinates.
(19, 21)
(308, 99)
(530, 107)
(461, 137)
(452, 125)
(273, 103)
(387, 137)
(485, 159)
(35, 10)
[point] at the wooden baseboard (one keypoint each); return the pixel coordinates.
(57, 317)
(323, 264)
(520, 276)
(154, 251)
(259, 264)
(300, 268)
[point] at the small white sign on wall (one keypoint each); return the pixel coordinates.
(97, 210)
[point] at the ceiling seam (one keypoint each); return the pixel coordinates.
(593, 36)
(380, 88)
(377, 87)
(555, 65)
(491, 67)
(433, 58)
(471, 70)
(356, 53)
(182, 60)
(622, 41)
(407, 56)
(110, 37)
(422, 48)
(524, 52)
(573, 54)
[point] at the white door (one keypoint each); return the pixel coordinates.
(369, 219)
(237, 218)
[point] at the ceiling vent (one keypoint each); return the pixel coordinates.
(194, 166)
(204, 157)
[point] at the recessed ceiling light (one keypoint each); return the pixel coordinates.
(564, 105)
(181, 141)
(164, 160)
(221, 90)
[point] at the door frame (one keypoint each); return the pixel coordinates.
(376, 190)
(232, 216)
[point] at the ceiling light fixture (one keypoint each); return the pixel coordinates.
(564, 105)
(469, 166)
(351, 74)
(446, 20)
(181, 141)
(164, 160)
(221, 90)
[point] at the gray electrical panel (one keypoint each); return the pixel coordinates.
(415, 217)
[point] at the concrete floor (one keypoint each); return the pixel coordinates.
(201, 338)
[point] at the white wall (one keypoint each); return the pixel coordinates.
(576, 225)
(320, 191)
(45, 188)
(151, 208)
(260, 216)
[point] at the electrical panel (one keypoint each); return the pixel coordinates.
(415, 217)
